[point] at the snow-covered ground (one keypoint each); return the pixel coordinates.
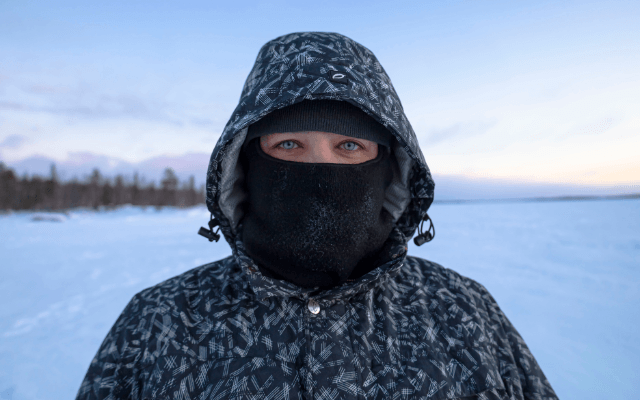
(567, 274)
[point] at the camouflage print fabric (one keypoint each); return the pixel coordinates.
(409, 329)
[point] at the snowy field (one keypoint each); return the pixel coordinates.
(567, 274)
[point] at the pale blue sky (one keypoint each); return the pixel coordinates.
(531, 91)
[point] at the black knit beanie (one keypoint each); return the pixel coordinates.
(332, 116)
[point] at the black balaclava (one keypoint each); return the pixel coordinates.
(316, 225)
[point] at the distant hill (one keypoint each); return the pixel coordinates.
(451, 188)
(80, 165)
(448, 187)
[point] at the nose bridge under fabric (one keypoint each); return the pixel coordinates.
(312, 224)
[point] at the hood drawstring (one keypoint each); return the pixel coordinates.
(424, 237)
(209, 233)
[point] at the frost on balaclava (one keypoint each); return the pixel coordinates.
(317, 225)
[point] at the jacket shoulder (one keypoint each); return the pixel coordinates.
(152, 323)
(469, 315)
(445, 282)
(211, 277)
(458, 301)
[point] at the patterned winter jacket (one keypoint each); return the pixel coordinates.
(409, 329)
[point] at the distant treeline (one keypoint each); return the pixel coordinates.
(37, 193)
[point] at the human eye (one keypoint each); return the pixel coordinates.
(350, 146)
(288, 144)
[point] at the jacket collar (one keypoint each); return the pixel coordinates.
(264, 286)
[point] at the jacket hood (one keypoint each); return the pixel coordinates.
(318, 66)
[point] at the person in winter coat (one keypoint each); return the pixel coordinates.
(317, 183)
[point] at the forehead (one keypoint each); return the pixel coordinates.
(307, 136)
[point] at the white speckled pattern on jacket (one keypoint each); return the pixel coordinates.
(409, 329)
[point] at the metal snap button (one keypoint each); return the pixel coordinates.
(313, 306)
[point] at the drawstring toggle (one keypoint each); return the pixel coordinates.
(424, 237)
(209, 233)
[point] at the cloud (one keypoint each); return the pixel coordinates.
(85, 103)
(47, 89)
(204, 122)
(97, 102)
(106, 106)
(596, 127)
(458, 130)
(7, 105)
(13, 142)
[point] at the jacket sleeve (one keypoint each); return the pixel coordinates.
(519, 369)
(113, 372)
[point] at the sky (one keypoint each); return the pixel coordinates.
(526, 91)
